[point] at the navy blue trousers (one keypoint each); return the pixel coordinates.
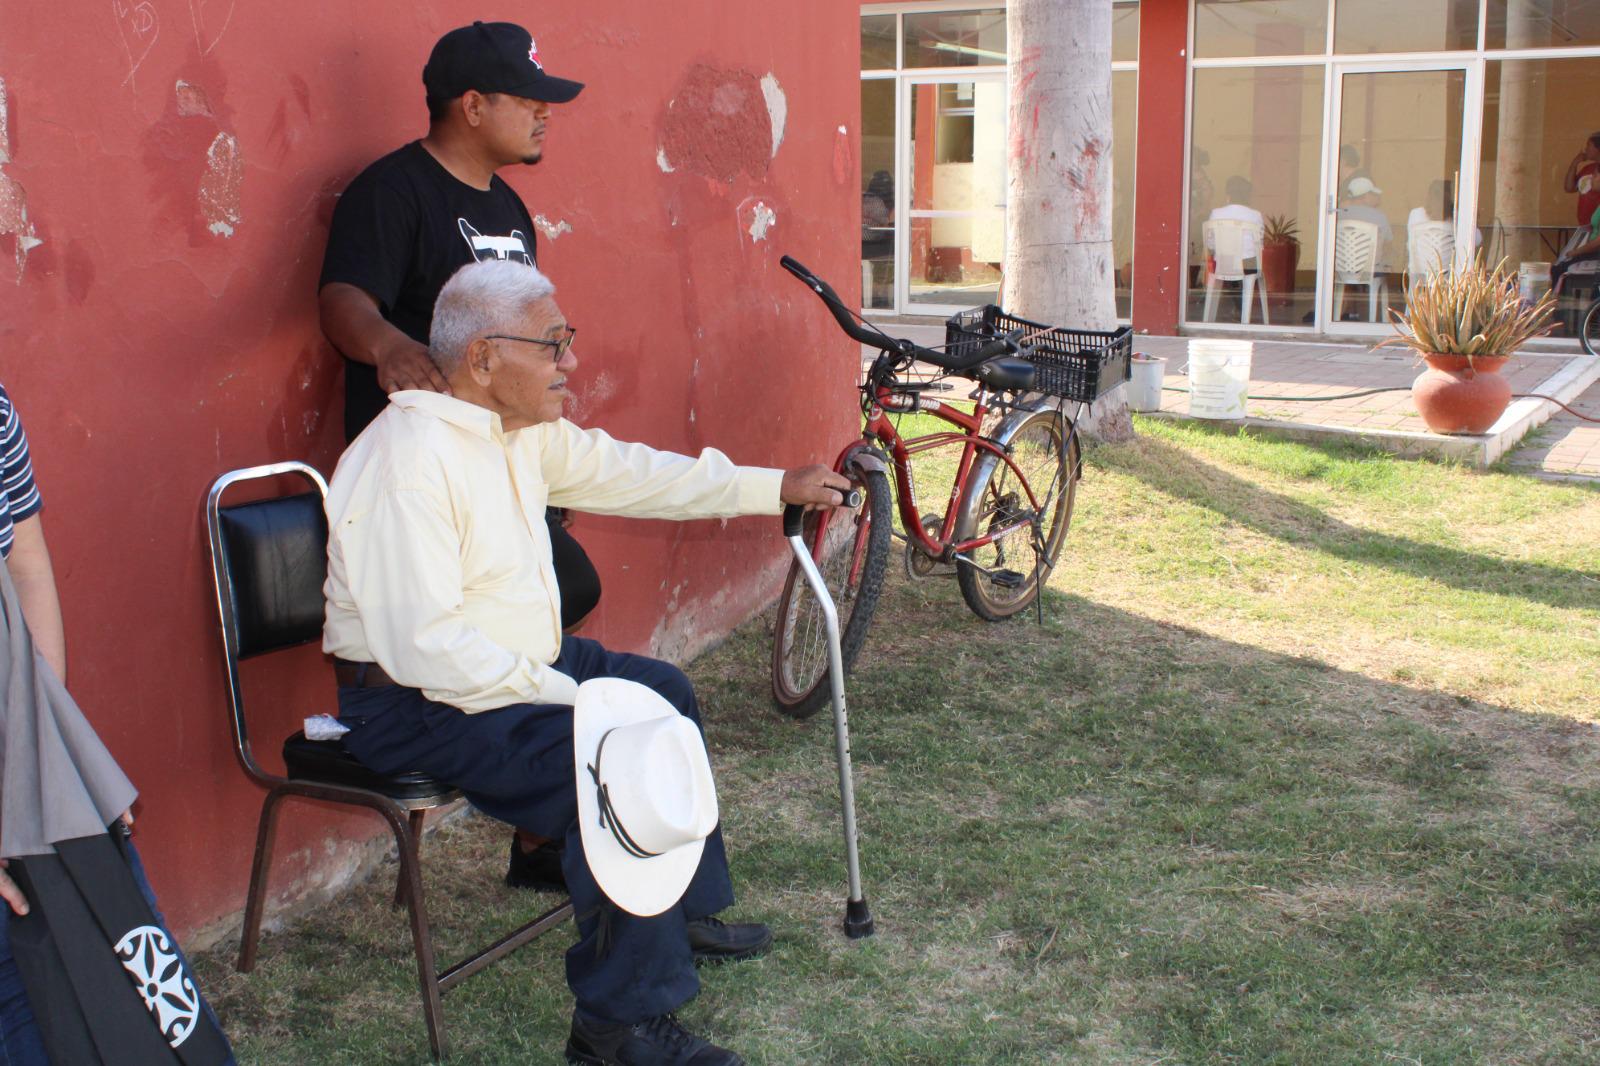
(515, 764)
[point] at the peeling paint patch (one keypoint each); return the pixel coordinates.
(219, 185)
(192, 99)
(14, 222)
(551, 230)
(5, 129)
(757, 218)
(717, 125)
(661, 160)
(777, 109)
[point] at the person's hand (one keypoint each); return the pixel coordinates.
(10, 892)
(127, 818)
(814, 486)
(407, 366)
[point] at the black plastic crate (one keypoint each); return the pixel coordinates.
(1078, 364)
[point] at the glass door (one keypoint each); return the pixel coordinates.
(952, 198)
(1394, 180)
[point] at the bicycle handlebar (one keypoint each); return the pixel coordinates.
(999, 346)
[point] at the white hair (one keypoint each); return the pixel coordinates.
(482, 297)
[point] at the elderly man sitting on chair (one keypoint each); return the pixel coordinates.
(445, 620)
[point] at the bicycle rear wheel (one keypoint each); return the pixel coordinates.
(1002, 577)
(1589, 333)
(852, 560)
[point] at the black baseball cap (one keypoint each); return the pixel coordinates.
(492, 57)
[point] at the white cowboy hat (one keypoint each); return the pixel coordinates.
(646, 801)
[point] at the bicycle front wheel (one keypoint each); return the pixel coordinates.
(852, 558)
(1589, 334)
(1002, 577)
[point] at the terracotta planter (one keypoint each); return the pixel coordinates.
(1278, 262)
(1455, 396)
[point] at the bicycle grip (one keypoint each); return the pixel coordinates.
(794, 514)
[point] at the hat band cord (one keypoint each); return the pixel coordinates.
(608, 814)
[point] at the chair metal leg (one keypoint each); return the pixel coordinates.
(256, 900)
(417, 818)
(421, 937)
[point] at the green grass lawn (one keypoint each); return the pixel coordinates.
(1301, 767)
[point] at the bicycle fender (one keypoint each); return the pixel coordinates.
(863, 456)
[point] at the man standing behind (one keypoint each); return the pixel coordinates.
(1583, 178)
(410, 221)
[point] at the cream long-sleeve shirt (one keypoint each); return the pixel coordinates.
(439, 565)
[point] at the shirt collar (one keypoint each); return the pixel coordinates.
(479, 421)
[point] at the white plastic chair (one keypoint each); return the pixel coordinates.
(1355, 262)
(1430, 248)
(1225, 241)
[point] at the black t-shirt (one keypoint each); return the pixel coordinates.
(400, 230)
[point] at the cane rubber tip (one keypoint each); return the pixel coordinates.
(857, 919)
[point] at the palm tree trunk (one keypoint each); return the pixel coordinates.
(1058, 220)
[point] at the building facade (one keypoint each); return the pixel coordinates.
(1384, 139)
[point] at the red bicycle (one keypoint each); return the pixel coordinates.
(1010, 501)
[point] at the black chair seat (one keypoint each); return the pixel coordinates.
(327, 762)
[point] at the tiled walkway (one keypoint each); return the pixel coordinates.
(1566, 447)
(1282, 368)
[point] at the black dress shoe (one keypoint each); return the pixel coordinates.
(658, 1041)
(539, 869)
(712, 940)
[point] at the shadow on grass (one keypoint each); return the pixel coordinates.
(1103, 839)
(1180, 474)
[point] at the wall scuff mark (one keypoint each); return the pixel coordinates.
(192, 100)
(757, 218)
(777, 109)
(551, 230)
(14, 222)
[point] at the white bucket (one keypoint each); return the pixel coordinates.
(1533, 281)
(1219, 378)
(1144, 387)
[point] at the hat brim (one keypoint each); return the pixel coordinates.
(550, 90)
(644, 887)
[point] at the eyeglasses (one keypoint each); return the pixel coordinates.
(560, 346)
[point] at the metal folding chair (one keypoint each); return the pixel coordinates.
(269, 558)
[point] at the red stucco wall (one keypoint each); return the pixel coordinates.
(1160, 195)
(169, 169)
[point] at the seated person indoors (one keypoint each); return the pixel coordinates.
(1580, 250)
(1361, 205)
(445, 620)
(1238, 209)
(1439, 208)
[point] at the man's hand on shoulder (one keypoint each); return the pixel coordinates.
(407, 366)
(814, 486)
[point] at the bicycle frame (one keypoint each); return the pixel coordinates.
(880, 429)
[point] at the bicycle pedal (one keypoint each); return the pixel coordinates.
(1007, 579)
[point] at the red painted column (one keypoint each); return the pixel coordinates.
(1160, 196)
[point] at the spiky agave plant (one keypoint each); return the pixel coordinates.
(1471, 312)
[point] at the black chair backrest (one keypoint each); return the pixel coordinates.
(275, 557)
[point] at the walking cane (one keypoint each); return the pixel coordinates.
(857, 916)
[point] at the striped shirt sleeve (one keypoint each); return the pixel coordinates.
(19, 495)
